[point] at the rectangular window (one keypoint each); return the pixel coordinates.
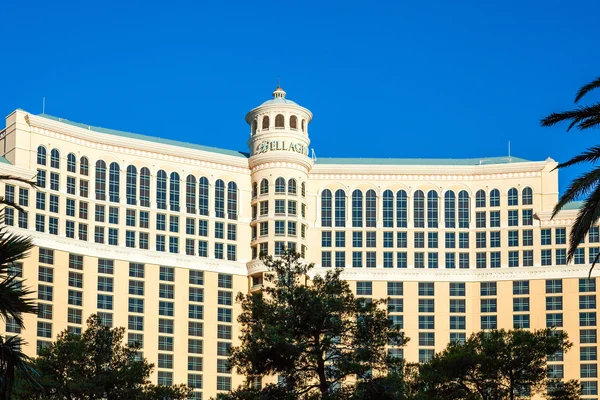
(395, 288)
(401, 240)
(425, 288)
(520, 287)
(521, 304)
(553, 286)
(560, 236)
(401, 259)
(458, 322)
(521, 321)
(488, 289)
(457, 289)
(587, 285)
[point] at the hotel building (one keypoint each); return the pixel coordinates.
(159, 236)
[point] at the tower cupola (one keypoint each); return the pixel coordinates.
(279, 132)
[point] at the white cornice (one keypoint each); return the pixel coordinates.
(429, 172)
(133, 255)
(19, 172)
(462, 275)
(136, 147)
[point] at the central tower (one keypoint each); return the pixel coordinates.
(280, 163)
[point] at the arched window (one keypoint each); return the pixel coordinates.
(340, 208)
(264, 186)
(388, 209)
(463, 209)
(292, 186)
(303, 125)
(370, 209)
(419, 209)
(401, 209)
(279, 185)
(279, 121)
(293, 122)
(190, 194)
(174, 191)
(326, 208)
(303, 189)
(432, 209)
(254, 190)
(55, 158)
(513, 197)
(100, 180)
(480, 198)
(254, 127)
(265, 123)
(495, 198)
(145, 187)
(357, 208)
(231, 200)
(219, 199)
(71, 163)
(84, 166)
(450, 209)
(113, 183)
(131, 185)
(527, 196)
(41, 155)
(203, 196)
(161, 190)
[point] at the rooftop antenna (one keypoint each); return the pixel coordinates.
(44, 105)
(509, 150)
(278, 81)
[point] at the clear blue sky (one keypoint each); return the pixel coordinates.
(383, 79)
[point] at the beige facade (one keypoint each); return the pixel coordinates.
(159, 236)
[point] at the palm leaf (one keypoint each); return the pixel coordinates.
(590, 122)
(590, 155)
(13, 248)
(586, 218)
(585, 89)
(575, 116)
(14, 301)
(13, 361)
(29, 182)
(580, 187)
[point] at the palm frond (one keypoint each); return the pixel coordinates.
(590, 155)
(590, 122)
(13, 248)
(585, 89)
(593, 265)
(12, 362)
(579, 187)
(14, 300)
(585, 220)
(4, 177)
(576, 116)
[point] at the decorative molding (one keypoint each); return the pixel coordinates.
(461, 275)
(424, 177)
(133, 255)
(122, 145)
(279, 164)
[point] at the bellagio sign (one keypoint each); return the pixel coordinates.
(280, 145)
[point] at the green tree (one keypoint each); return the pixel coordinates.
(570, 390)
(315, 334)
(495, 364)
(95, 365)
(586, 185)
(14, 299)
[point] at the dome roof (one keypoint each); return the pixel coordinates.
(279, 100)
